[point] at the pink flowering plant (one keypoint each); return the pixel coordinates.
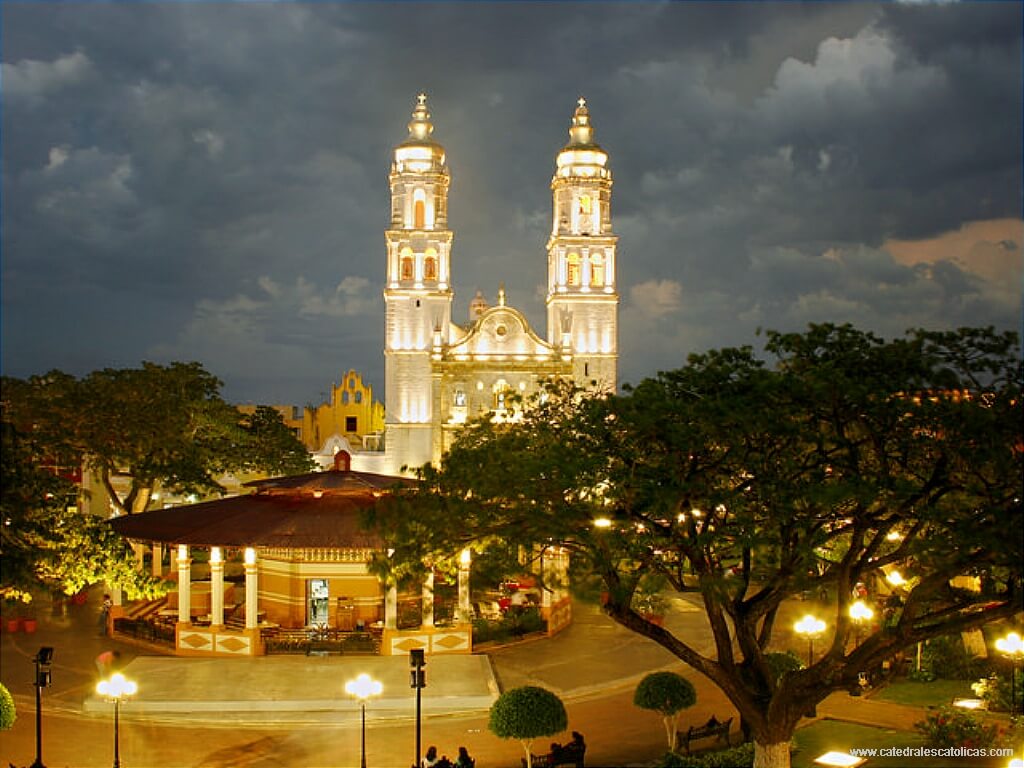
(952, 728)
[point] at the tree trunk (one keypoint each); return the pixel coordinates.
(771, 755)
(670, 731)
(527, 745)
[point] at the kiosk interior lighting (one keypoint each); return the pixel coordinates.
(840, 760)
(896, 579)
(603, 522)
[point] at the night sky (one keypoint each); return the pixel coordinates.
(200, 181)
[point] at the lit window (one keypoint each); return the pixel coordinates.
(407, 265)
(573, 271)
(596, 269)
(460, 398)
(430, 268)
(584, 207)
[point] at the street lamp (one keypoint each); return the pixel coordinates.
(1012, 648)
(809, 627)
(860, 613)
(417, 680)
(363, 687)
(115, 689)
(42, 660)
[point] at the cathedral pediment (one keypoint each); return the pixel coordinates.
(500, 332)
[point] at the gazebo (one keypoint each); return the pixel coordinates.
(305, 561)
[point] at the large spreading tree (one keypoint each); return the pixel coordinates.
(160, 426)
(750, 483)
(47, 541)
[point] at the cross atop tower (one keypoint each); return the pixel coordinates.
(421, 98)
(582, 102)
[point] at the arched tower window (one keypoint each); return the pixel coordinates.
(406, 264)
(430, 265)
(573, 269)
(596, 270)
(419, 209)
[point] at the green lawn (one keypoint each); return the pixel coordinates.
(938, 693)
(834, 735)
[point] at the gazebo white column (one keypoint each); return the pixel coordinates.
(251, 589)
(140, 554)
(184, 585)
(391, 608)
(158, 560)
(427, 612)
(464, 614)
(216, 587)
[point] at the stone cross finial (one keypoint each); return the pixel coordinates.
(421, 98)
(582, 102)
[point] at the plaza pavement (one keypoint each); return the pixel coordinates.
(292, 711)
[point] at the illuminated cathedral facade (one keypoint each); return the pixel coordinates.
(440, 373)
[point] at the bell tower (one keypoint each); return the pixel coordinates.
(582, 299)
(418, 294)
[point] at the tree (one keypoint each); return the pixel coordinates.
(272, 447)
(161, 425)
(527, 713)
(47, 541)
(749, 484)
(8, 712)
(668, 694)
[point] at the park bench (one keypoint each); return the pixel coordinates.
(569, 754)
(712, 728)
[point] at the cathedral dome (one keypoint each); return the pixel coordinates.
(419, 153)
(582, 156)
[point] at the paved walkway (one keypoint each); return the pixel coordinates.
(291, 711)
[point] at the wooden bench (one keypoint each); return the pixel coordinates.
(712, 728)
(570, 754)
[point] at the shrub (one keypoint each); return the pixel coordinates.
(8, 713)
(946, 658)
(741, 756)
(527, 713)
(781, 663)
(995, 690)
(953, 728)
(667, 694)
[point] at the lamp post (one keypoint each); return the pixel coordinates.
(363, 687)
(417, 680)
(115, 689)
(809, 627)
(42, 660)
(860, 613)
(1012, 648)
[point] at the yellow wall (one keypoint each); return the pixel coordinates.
(282, 592)
(349, 399)
(289, 413)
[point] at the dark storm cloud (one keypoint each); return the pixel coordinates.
(208, 181)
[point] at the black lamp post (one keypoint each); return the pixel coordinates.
(115, 690)
(42, 660)
(417, 680)
(363, 687)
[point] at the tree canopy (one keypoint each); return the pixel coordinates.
(46, 540)
(748, 484)
(667, 694)
(161, 425)
(527, 713)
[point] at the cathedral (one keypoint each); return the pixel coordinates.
(440, 373)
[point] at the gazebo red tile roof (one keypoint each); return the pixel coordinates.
(315, 510)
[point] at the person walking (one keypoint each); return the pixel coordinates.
(107, 663)
(105, 608)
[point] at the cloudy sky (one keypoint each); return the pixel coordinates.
(208, 181)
